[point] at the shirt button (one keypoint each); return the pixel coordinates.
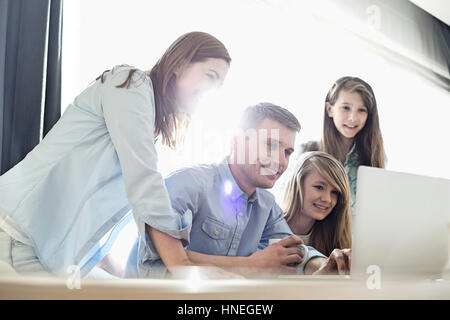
(234, 245)
(216, 232)
(240, 214)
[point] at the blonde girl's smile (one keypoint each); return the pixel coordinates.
(323, 208)
(319, 196)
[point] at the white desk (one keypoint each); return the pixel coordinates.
(284, 289)
(15, 287)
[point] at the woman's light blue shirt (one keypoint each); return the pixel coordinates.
(97, 163)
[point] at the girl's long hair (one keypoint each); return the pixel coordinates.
(368, 142)
(335, 230)
(191, 47)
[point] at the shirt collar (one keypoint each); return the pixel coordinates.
(352, 155)
(353, 149)
(230, 185)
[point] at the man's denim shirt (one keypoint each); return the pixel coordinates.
(225, 221)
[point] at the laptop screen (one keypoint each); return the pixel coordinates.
(400, 224)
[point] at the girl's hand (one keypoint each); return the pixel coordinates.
(338, 262)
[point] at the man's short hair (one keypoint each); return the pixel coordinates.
(254, 115)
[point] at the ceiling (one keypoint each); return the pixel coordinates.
(438, 8)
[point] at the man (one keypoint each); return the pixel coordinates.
(230, 216)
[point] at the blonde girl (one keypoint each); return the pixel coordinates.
(316, 202)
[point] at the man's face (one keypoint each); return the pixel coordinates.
(264, 155)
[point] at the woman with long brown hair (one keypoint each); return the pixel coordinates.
(316, 202)
(99, 161)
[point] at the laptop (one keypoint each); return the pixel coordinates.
(400, 228)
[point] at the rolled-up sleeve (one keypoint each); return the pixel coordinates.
(185, 192)
(130, 118)
(312, 253)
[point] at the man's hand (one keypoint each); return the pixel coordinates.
(339, 262)
(279, 257)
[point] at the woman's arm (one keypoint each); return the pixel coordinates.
(129, 115)
(111, 266)
(170, 249)
(177, 261)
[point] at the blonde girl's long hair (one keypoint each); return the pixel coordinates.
(368, 142)
(191, 47)
(335, 230)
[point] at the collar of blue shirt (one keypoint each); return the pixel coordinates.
(231, 186)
